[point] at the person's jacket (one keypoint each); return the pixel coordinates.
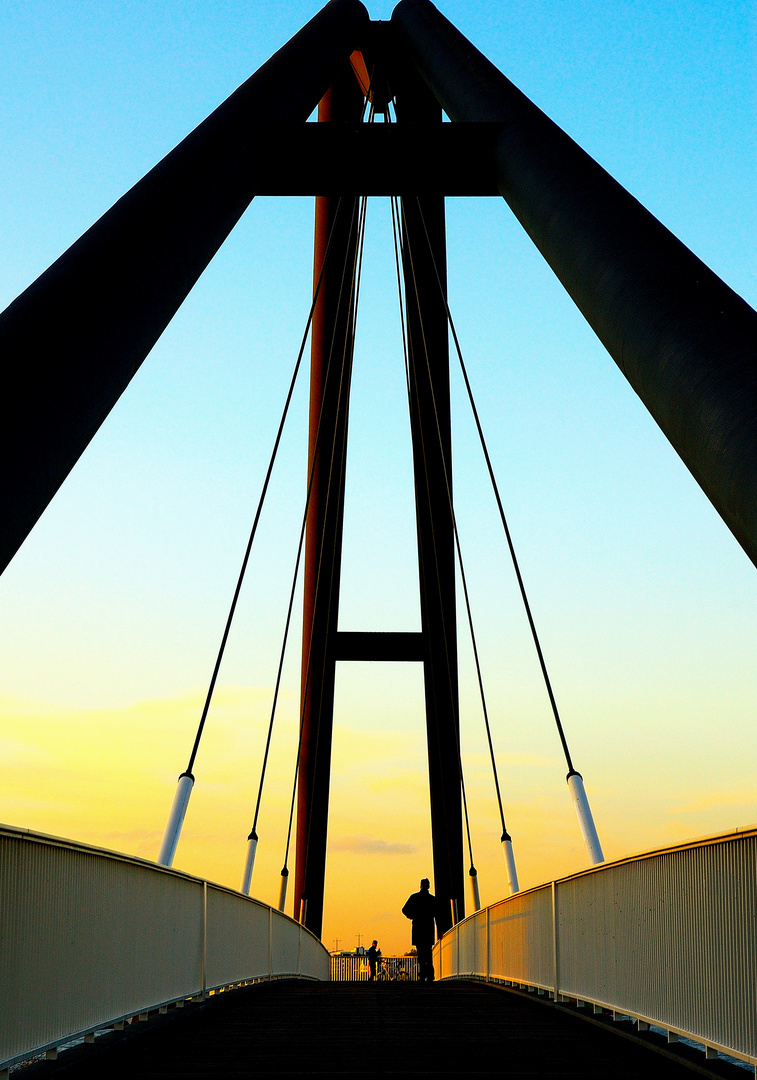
(421, 908)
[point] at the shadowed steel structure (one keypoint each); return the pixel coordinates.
(424, 259)
(685, 341)
(72, 341)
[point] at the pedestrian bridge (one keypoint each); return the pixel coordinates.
(92, 939)
(659, 947)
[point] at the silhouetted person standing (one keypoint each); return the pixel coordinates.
(421, 909)
(374, 954)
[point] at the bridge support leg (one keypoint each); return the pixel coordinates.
(424, 266)
(330, 373)
(683, 339)
(74, 339)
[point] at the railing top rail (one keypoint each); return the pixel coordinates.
(740, 833)
(46, 840)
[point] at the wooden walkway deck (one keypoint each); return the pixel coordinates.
(299, 1029)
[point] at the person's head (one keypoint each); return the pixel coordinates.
(425, 884)
(374, 942)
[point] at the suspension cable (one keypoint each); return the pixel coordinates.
(521, 585)
(246, 559)
(406, 355)
(467, 598)
(395, 220)
(253, 831)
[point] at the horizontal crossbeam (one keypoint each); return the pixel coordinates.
(388, 647)
(374, 159)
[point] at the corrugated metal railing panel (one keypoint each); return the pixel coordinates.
(75, 946)
(237, 939)
(672, 936)
(88, 937)
(315, 961)
(285, 946)
(445, 955)
(466, 949)
(481, 938)
(669, 937)
(521, 938)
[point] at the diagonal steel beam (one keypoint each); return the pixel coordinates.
(685, 341)
(70, 344)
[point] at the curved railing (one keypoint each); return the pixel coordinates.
(667, 938)
(89, 938)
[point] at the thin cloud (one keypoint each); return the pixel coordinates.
(367, 845)
(714, 800)
(15, 751)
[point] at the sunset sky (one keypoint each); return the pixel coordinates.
(112, 610)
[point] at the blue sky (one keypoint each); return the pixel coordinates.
(645, 602)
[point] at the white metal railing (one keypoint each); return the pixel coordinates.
(389, 968)
(89, 938)
(668, 938)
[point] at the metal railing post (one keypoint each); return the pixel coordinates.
(270, 943)
(555, 940)
(204, 948)
(488, 944)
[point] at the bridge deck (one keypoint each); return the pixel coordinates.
(297, 1029)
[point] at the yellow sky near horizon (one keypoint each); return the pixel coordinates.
(107, 777)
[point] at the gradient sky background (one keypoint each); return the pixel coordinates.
(112, 610)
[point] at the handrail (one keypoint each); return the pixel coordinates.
(90, 938)
(666, 938)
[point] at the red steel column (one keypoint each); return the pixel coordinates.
(330, 373)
